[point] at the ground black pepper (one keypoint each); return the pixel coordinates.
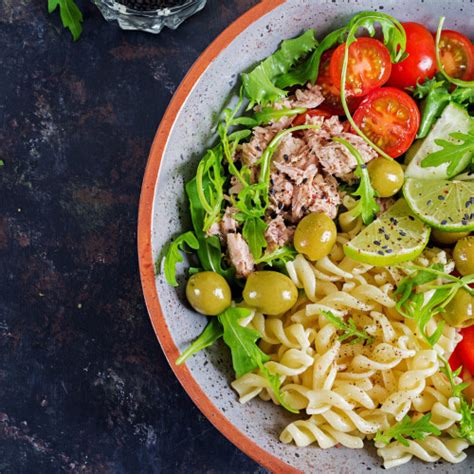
(150, 5)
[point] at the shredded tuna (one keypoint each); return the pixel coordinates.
(235, 185)
(281, 192)
(239, 255)
(249, 153)
(228, 223)
(310, 97)
(289, 149)
(278, 234)
(214, 230)
(318, 194)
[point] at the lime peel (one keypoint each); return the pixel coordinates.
(442, 204)
(396, 236)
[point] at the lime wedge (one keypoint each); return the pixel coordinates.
(445, 205)
(396, 236)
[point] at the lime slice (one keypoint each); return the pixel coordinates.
(445, 205)
(396, 236)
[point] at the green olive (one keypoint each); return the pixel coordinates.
(347, 221)
(208, 293)
(386, 176)
(459, 312)
(447, 238)
(270, 292)
(464, 256)
(315, 236)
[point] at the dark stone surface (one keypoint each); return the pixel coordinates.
(84, 385)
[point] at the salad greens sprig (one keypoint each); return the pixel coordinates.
(452, 153)
(259, 84)
(436, 96)
(423, 305)
(453, 80)
(407, 428)
(349, 328)
(242, 342)
(173, 255)
(366, 206)
(466, 424)
(71, 16)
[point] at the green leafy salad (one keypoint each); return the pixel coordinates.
(331, 242)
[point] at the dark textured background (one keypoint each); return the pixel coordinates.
(84, 386)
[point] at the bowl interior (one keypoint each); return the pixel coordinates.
(260, 421)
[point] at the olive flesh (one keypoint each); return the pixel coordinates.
(315, 236)
(463, 255)
(386, 176)
(447, 238)
(208, 293)
(459, 312)
(270, 292)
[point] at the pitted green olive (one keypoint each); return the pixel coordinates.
(208, 293)
(447, 238)
(315, 236)
(386, 176)
(459, 312)
(270, 292)
(463, 255)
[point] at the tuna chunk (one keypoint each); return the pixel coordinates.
(239, 255)
(336, 160)
(310, 97)
(318, 194)
(228, 223)
(278, 234)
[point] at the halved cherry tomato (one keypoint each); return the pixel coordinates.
(455, 360)
(465, 348)
(457, 55)
(421, 61)
(368, 67)
(301, 118)
(390, 118)
(332, 98)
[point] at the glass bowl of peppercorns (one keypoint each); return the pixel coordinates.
(149, 15)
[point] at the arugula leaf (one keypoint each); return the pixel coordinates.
(212, 332)
(209, 251)
(453, 80)
(280, 255)
(259, 84)
(367, 206)
(349, 328)
(466, 424)
(246, 355)
(71, 16)
(463, 95)
(254, 234)
(453, 153)
(173, 255)
(407, 428)
(308, 70)
(269, 114)
(422, 306)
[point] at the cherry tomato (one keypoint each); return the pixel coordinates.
(301, 118)
(390, 118)
(455, 360)
(421, 61)
(368, 67)
(331, 93)
(457, 55)
(466, 348)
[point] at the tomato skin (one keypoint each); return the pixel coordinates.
(457, 55)
(332, 99)
(455, 360)
(390, 118)
(301, 118)
(366, 57)
(421, 61)
(466, 348)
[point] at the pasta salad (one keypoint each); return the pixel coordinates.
(331, 242)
